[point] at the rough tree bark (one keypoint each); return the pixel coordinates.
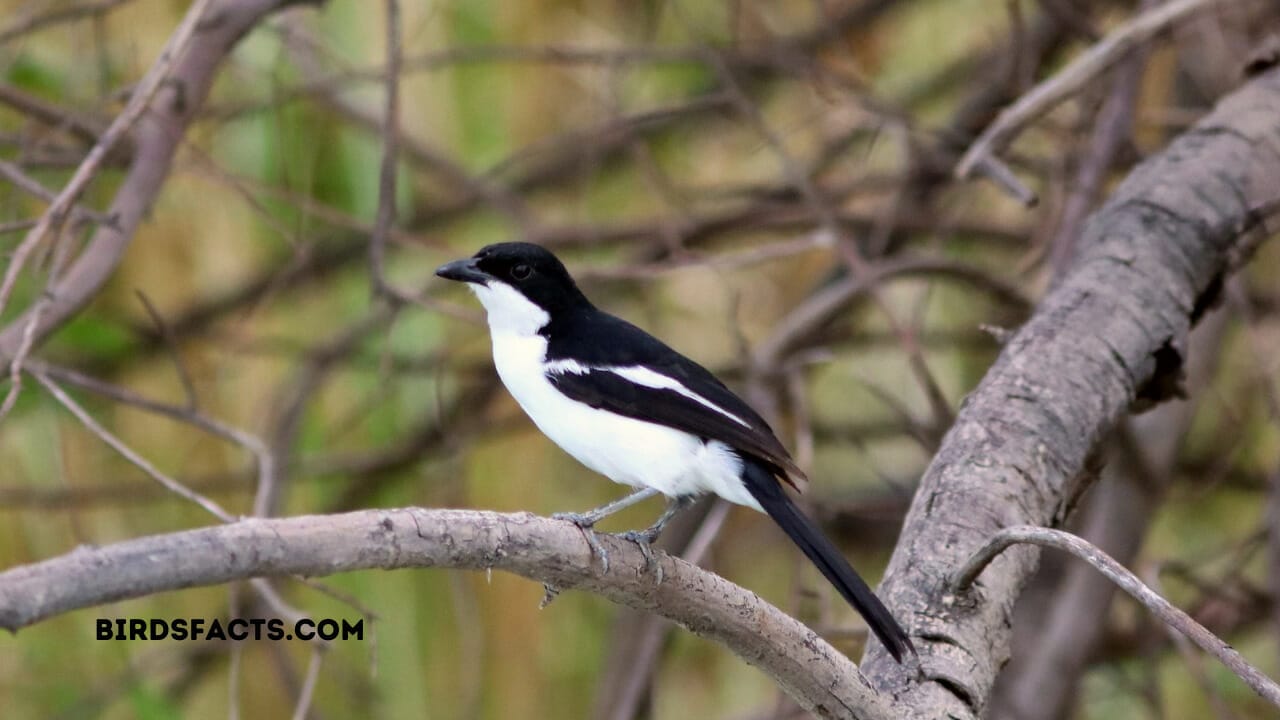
(1112, 333)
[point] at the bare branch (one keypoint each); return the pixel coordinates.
(1111, 131)
(128, 453)
(57, 15)
(1127, 581)
(31, 186)
(1058, 638)
(309, 684)
(815, 674)
(387, 173)
(1045, 96)
(175, 354)
(161, 127)
(63, 203)
(86, 130)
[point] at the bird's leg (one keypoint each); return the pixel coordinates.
(644, 539)
(591, 517)
(587, 520)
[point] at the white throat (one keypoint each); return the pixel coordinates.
(509, 311)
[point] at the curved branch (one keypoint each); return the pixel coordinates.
(1127, 581)
(815, 674)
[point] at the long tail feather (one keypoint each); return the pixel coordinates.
(767, 491)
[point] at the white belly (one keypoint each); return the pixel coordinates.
(625, 450)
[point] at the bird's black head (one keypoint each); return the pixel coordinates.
(530, 270)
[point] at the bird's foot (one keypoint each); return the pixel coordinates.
(586, 523)
(644, 540)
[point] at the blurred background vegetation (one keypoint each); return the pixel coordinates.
(707, 168)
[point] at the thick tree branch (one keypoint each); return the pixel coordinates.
(1111, 334)
(822, 680)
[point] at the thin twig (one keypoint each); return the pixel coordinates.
(57, 15)
(62, 204)
(118, 445)
(1111, 131)
(1045, 96)
(171, 344)
(625, 701)
(1125, 580)
(304, 49)
(83, 129)
(27, 342)
(263, 457)
(387, 173)
(858, 266)
(14, 174)
(1194, 662)
(309, 685)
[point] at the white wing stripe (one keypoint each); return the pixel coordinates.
(559, 367)
(641, 376)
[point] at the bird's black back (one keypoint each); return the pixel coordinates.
(595, 338)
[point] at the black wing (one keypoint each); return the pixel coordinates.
(601, 341)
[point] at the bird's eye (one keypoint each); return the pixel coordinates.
(521, 271)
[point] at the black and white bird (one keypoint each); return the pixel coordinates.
(627, 406)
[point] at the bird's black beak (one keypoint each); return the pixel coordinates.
(463, 271)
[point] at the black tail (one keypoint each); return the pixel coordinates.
(767, 491)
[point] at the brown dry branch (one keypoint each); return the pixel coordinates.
(55, 16)
(1083, 70)
(964, 579)
(79, 214)
(264, 460)
(1111, 132)
(304, 50)
(387, 172)
(295, 395)
(180, 85)
(815, 674)
(87, 130)
(1112, 333)
(128, 453)
(64, 202)
(550, 164)
(1193, 661)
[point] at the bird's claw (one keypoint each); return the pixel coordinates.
(597, 548)
(583, 520)
(644, 541)
(586, 524)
